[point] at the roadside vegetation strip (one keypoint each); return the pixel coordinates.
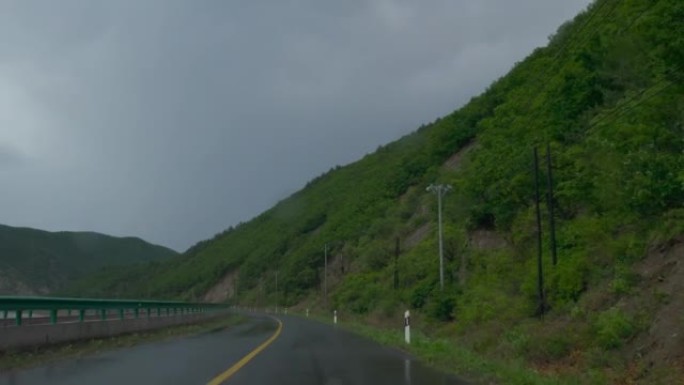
(26, 358)
(446, 355)
(221, 378)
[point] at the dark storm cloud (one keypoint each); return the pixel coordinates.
(173, 120)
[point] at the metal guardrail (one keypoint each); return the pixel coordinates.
(86, 309)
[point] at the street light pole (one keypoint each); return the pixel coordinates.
(440, 190)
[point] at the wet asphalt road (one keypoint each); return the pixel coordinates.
(305, 353)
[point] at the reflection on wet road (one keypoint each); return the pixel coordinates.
(305, 353)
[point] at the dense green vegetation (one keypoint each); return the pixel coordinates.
(606, 94)
(39, 262)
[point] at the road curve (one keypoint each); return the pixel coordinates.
(303, 353)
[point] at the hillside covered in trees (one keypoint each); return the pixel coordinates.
(41, 262)
(606, 96)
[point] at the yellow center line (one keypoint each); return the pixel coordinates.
(233, 369)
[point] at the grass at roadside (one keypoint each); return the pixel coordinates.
(41, 355)
(446, 355)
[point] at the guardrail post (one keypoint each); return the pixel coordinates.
(81, 315)
(136, 312)
(121, 313)
(103, 314)
(147, 312)
(4, 314)
(53, 316)
(17, 317)
(30, 314)
(69, 312)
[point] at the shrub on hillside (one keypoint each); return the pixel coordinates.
(441, 305)
(613, 328)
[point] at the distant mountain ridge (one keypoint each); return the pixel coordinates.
(35, 261)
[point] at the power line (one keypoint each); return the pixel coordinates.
(567, 44)
(625, 108)
(628, 106)
(641, 14)
(581, 28)
(605, 17)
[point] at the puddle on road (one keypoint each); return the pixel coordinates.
(380, 365)
(411, 372)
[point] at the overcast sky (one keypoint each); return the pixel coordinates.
(172, 120)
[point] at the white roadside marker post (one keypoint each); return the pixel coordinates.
(335, 317)
(285, 311)
(307, 313)
(407, 327)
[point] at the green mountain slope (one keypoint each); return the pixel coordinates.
(607, 95)
(40, 262)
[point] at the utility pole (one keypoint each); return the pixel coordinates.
(235, 288)
(325, 275)
(396, 264)
(549, 204)
(440, 190)
(540, 271)
(462, 272)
